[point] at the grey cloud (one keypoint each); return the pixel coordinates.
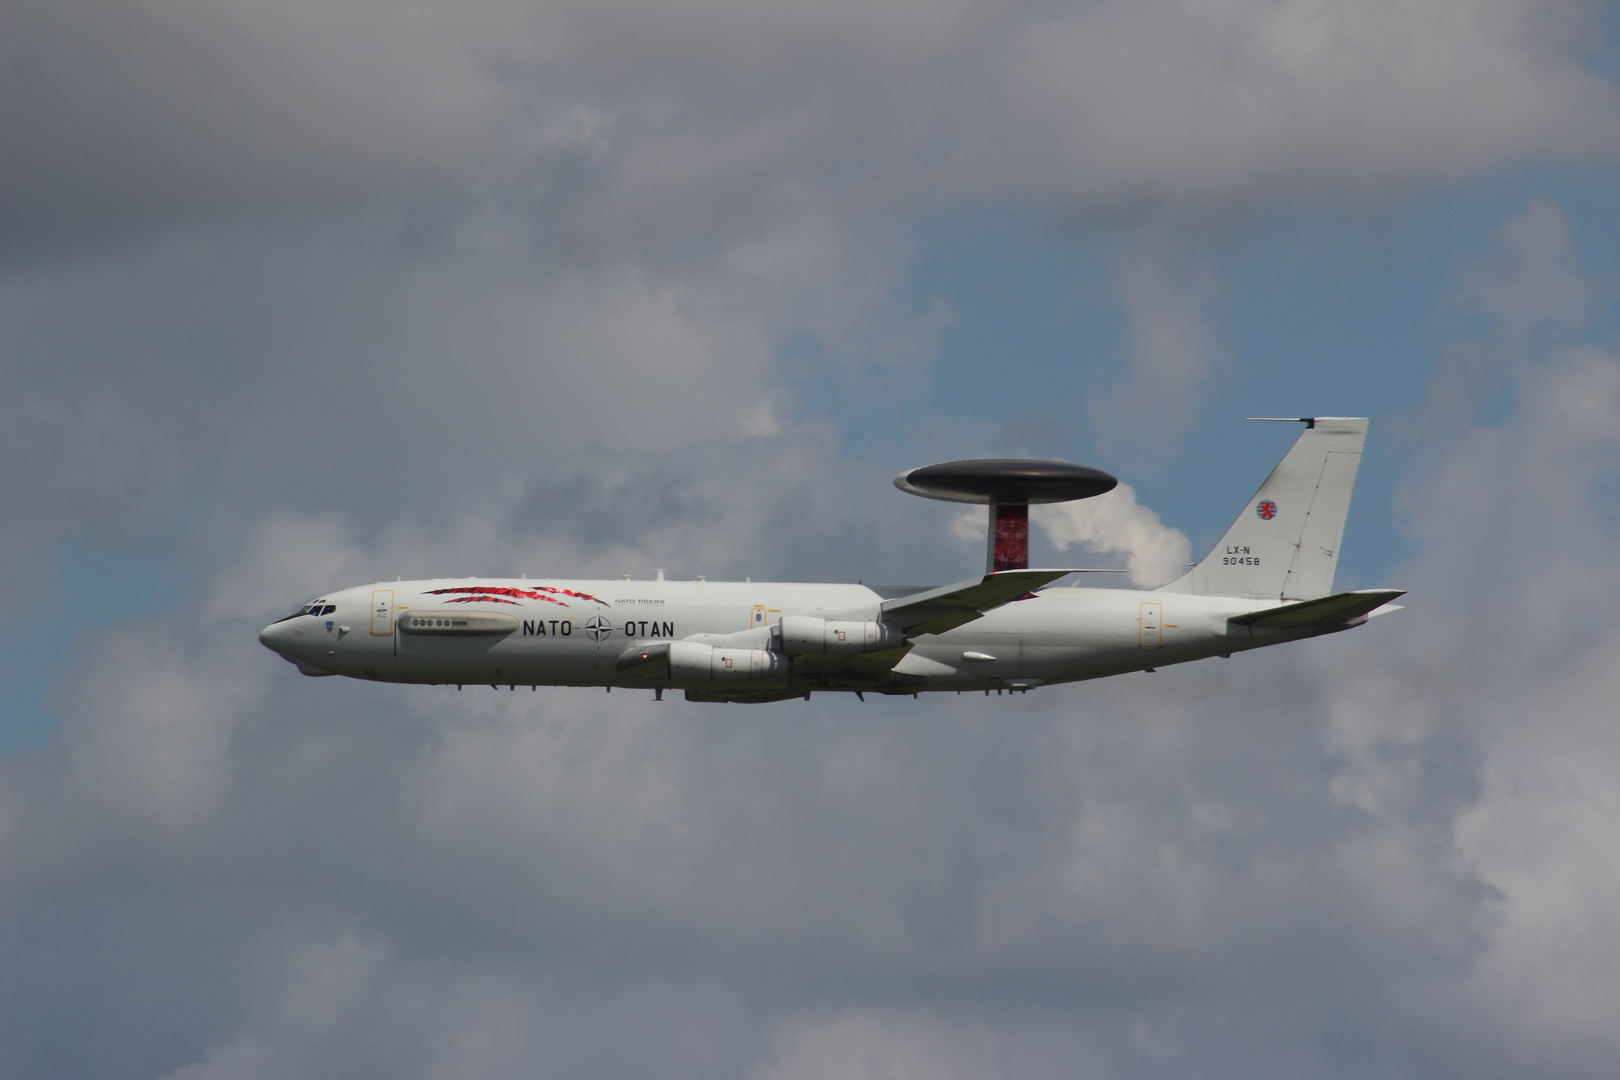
(968, 853)
(1131, 855)
(1172, 301)
(1181, 106)
(1371, 855)
(117, 114)
(866, 1045)
(360, 199)
(1532, 278)
(692, 116)
(272, 371)
(398, 881)
(1527, 294)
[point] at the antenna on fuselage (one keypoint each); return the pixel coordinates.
(1008, 486)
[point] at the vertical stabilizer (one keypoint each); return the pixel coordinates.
(1285, 543)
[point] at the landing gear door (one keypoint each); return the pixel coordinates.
(382, 612)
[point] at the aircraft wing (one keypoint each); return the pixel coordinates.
(1340, 608)
(949, 606)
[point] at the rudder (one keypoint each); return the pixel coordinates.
(1285, 543)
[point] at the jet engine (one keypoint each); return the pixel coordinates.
(798, 635)
(692, 663)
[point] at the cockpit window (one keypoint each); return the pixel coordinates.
(314, 607)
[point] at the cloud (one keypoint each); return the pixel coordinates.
(316, 294)
(1531, 279)
(1524, 295)
(1185, 105)
(689, 118)
(1116, 524)
(228, 376)
(1344, 841)
(122, 114)
(361, 212)
(864, 1046)
(1172, 301)
(1527, 692)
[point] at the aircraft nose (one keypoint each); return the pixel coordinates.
(275, 636)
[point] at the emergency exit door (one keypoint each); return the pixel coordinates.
(1149, 625)
(382, 612)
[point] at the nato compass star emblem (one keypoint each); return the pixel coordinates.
(598, 627)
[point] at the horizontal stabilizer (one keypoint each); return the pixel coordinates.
(1340, 608)
(949, 606)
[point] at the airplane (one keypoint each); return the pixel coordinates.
(1267, 581)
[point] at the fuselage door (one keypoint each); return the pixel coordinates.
(756, 617)
(382, 612)
(1149, 622)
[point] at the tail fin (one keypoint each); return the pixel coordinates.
(1285, 543)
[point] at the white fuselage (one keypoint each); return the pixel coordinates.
(578, 633)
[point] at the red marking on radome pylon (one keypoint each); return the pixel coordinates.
(1011, 525)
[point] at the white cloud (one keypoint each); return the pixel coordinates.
(1115, 524)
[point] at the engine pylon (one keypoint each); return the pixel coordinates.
(1008, 486)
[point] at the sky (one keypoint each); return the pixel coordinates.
(307, 295)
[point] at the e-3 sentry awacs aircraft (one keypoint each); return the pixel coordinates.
(1268, 580)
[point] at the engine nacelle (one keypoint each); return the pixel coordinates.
(694, 664)
(799, 635)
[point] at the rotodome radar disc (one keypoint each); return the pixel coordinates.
(1005, 480)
